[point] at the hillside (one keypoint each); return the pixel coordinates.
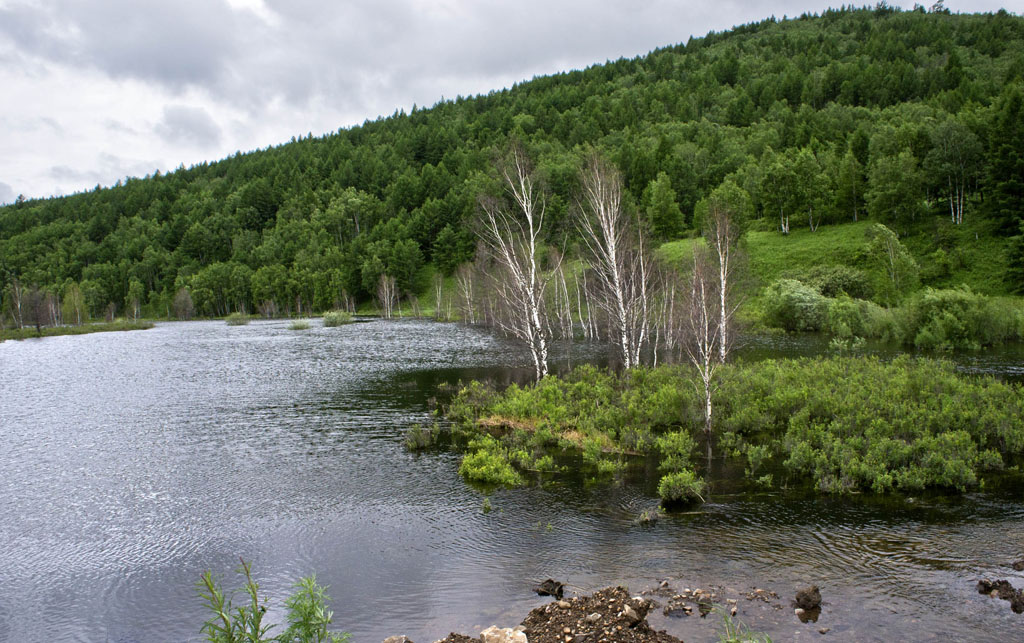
(912, 119)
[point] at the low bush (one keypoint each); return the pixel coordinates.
(488, 462)
(237, 319)
(681, 487)
(299, 324)
(337, 318)
(957, 319)
(795, 306)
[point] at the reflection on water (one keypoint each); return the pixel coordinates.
(134, 461)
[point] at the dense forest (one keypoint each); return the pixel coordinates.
(912, 119)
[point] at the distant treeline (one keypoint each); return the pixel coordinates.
(903, 117)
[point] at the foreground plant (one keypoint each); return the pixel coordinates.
(308, 616)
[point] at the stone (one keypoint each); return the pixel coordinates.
(495, 634)
(808, 598)
(1019, 565)
(593, 618)
(630, 615)
(550, 587)
(823, 630)
(398, 639)
(564, 604)
(799, 611)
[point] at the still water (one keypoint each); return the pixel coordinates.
(132, 462)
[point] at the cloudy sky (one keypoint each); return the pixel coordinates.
(96, 91)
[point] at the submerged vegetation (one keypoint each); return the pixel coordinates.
(842, 424)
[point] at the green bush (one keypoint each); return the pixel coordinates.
(957, 319)
(299, 324)
(795, 306)
(336, 318)
(681, 487)
(488, 462)
(237, 319)
(833, 281)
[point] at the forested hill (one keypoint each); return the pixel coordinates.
(875, 113)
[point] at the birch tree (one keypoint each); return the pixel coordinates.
(618, 257)
(511, 230)
(700, 332)
(953, 161)
(723, 231)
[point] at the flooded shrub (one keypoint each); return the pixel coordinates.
(299, 324)
(488, 462)
(681, 488)
(418, 438)
(957, 319)
(336, 318)
(237, 319)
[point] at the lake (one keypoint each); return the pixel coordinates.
(132, 462)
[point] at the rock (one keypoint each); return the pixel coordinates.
(824, 630)
(398, 639)
(494, 634)
(593, 618)
(808, 598)
(1019, 565)
(630, 615)
(550, 587)
(564, 604)
(664, 583)
(799, 611)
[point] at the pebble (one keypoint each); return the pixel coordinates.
(564, 604)
(823, 630)
(566, 630)
(594, 618)
(799, 611)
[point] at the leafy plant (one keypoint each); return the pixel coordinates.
(308, 616)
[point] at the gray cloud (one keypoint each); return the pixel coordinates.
(186, 42)
(6, 193)
(196, 80)
(188, 125)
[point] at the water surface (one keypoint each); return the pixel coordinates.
(132, 462)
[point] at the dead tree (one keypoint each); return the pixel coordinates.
(511, 232)
(619, 259)
(700, 332)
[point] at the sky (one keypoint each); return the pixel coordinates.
(93, 92)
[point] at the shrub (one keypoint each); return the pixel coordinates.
(956, 319)
(833, 281)
(237, 319)
(488, 463)
(299, 324)
(681, 487)
(795, 306)
(336, 318)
